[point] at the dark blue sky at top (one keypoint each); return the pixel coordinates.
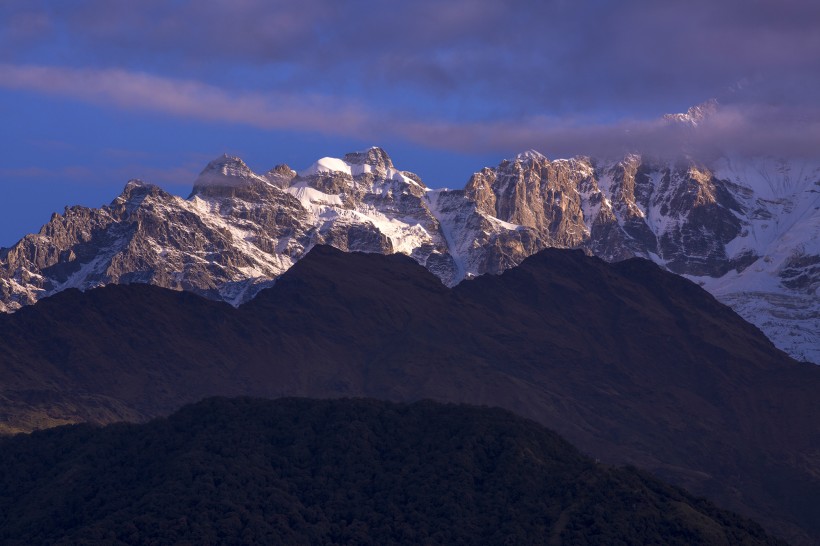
(95, 92)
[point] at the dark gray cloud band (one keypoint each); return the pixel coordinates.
(562, 76)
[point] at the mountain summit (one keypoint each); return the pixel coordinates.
(748, 231)
(695, 114)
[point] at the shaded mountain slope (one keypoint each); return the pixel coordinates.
(298, 471)
(628, 362)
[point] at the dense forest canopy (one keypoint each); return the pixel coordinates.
(356, 471)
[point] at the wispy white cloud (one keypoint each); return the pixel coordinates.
(187, 98)
(739, 128)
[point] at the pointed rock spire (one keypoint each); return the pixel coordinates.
(375, 157)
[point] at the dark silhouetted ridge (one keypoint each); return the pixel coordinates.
(630, 363)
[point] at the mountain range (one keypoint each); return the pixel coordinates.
(746, 230)
(631, 363)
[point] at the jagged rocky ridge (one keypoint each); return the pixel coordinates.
(746, 231)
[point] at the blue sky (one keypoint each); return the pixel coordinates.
(95, 92)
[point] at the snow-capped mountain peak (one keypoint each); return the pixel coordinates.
(373, 161)
(530, 155)
(134, 186)
(226, 171)
(746, 231)
(373, 156)
(228, 166)
(327, 165)
(695, 114)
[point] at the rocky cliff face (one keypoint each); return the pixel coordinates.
(747, 232)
